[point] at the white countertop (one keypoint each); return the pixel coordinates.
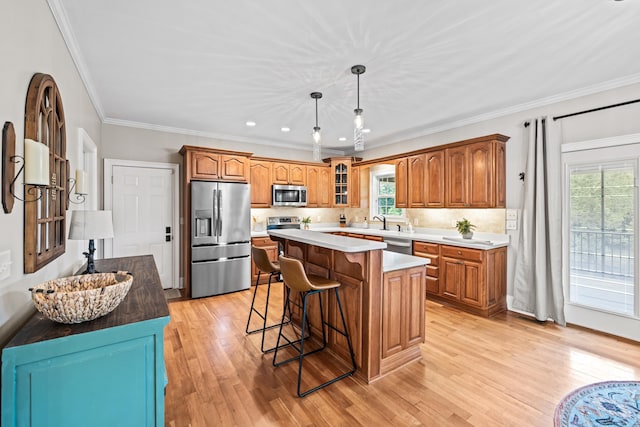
(484, 241)
(392, 261)
(329, 241)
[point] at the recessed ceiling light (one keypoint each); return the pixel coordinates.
(285, 129)
(367, 130)
(250, 124)
(342, 138)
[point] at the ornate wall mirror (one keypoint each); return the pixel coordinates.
(45, 219)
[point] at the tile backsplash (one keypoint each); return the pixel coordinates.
(486, 220)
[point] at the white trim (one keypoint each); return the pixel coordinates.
(593, 144)
(223, 137)
(60, 16)
(543, 102)
(109, 164)
(618, 324)
(88, 161)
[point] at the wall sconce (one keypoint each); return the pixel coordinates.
(78, 187)
(35, 165)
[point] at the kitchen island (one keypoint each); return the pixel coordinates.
(383, 296)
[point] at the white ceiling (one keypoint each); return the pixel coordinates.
(207, 66)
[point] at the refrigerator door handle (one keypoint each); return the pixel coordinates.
(214, 222)
(219, 212)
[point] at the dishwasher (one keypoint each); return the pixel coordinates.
(399, 245)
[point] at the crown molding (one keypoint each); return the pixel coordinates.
(211, 135)
(60, 16)
(543, 102)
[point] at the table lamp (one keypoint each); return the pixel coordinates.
(90, 225)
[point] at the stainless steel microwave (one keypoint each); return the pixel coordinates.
(289, 195)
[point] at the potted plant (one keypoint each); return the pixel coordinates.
(465, 228)
(306, 221)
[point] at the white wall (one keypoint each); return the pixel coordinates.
(131, 143)
(30, 42)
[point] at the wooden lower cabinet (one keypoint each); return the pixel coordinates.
(431, 251)
(360, 236)
(272, 250)
(402, 315)
(473, 279)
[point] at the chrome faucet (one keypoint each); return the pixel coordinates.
(383, 219)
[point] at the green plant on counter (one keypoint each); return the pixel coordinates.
(465, 228)
(306, 220)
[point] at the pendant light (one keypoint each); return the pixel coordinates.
(316, 130)
(358, 137)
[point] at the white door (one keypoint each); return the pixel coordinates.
(142, 201)
(601, 246)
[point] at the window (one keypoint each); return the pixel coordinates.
(600, 234)
(383, 192)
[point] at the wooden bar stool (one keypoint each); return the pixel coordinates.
(264, 265)
(295, 278)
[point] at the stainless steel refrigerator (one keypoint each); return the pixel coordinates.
(220, 238)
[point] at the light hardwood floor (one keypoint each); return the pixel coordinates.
(502, 371)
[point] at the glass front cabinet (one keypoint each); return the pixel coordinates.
(341, 170)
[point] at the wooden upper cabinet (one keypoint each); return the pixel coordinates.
(324, 187)
(205, 166)
(457, 177)
(481, 175)
(234, 168)
(289, 174)
(318, 187)
(280, 173)
(354, 187)
(260, 184)
(401, 182)
(501, 176)
(417, 182)
(297, 174)
(216, 165)
(472, 180)
(434, 175)
(313, 177)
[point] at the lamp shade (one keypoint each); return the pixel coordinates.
(89, 225)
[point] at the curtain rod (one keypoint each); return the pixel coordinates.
(595, 109)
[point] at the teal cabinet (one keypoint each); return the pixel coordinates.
(106, 372)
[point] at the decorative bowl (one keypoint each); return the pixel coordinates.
(78, 299)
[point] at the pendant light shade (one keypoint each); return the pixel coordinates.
(316, 130)
(358, 121)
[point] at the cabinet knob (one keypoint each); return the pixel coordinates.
(459, 252)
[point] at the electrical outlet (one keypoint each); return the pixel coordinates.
(511, 224)
(318, 218)
(511, 214)
(415, 221)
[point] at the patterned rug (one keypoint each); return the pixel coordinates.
(610, 403)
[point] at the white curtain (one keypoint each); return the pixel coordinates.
(538, 271)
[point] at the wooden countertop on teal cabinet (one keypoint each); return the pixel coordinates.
(109, 371)
(144, 301)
